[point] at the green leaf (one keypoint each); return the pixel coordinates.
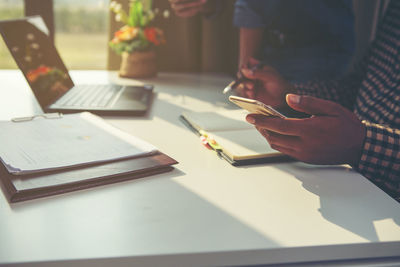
(139, 14)
(133, 20)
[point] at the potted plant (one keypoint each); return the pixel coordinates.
(136, 39)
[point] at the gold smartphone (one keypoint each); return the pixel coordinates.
(254, 106)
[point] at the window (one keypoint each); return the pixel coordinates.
(9, 9)
(82, 32)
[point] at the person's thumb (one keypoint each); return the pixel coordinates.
(312, 105)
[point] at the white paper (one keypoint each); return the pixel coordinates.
(75, 139)
(224, 120)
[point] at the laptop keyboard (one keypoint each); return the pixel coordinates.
(90, 96)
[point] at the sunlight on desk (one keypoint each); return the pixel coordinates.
(388, 223)
(281, 221)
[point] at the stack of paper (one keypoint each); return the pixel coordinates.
(73, 140)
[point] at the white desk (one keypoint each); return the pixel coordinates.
(205, 212)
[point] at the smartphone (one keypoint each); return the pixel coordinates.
(254, 106)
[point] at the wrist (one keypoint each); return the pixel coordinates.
(359, 144)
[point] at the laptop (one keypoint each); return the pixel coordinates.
(35, 54)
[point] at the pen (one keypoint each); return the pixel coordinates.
(231, 86)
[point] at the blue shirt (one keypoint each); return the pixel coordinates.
(305, 39)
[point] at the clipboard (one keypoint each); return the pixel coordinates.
(46, 183)
(56, 115)
(31, 186)
(56, 141)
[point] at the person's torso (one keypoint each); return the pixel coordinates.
(307, 39)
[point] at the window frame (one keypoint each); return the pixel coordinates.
(44, 9)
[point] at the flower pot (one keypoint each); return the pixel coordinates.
(138, 65)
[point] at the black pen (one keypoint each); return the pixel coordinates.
(241, 79)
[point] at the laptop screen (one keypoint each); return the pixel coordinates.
(35, 54)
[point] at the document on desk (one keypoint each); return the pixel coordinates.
(72, 140)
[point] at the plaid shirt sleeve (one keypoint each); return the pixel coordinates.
(380, 159)
(343, 90)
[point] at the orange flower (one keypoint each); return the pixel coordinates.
(154, 35)
(32, 75)
(126, 33)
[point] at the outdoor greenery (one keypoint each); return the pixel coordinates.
(89, 53)
(9, 12)
(81, 20)
(81, 32)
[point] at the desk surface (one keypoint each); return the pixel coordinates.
(205, 212)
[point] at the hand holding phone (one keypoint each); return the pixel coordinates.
(254, 106)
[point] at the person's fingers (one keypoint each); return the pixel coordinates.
(249, 85)
(189, 12)
(180, 6)
(312, 105)
(250, 94)
(284, 150)
(187, 2)
(275, 145)
(245, 89)
(240, 90)
(286, 141)
(295, 127)
(264, 132)
(251, 62)
(239, 75)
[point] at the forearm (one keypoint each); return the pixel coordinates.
(250, 40)
(380, 158)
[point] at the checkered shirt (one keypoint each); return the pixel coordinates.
(372, 91)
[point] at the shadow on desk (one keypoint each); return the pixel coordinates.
(157, 207)
(340, 201)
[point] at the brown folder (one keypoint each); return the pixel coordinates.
(24, 187)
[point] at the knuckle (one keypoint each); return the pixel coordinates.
(270, 138)
(273, 146)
